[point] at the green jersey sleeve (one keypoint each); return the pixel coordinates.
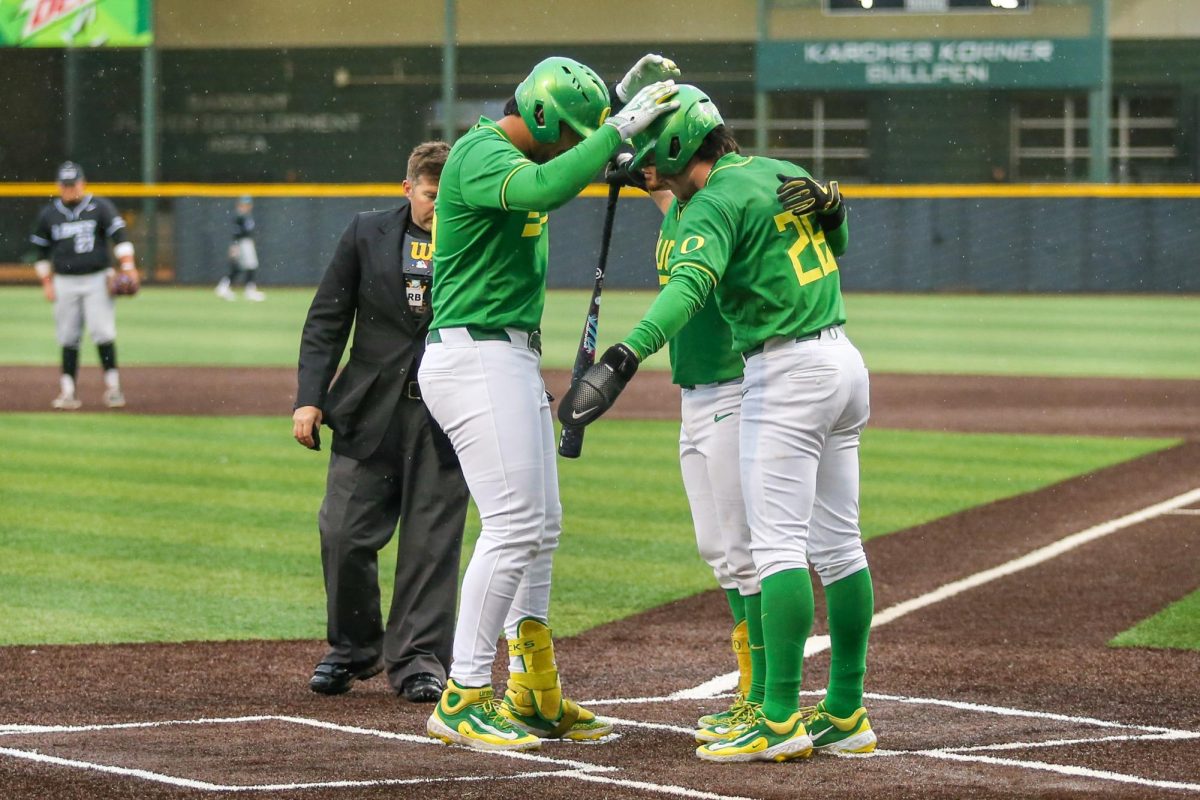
(503, 178)
(682, 296)
(704, 242)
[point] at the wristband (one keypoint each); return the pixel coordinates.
(43, 269)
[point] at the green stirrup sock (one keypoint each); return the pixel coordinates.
(736, 605)
(851, 603)
(758, 651)
(787, 618)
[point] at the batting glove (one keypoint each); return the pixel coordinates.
(650, 68)
(598, 388)
(646, 106)
(617, 172)
(804, 195)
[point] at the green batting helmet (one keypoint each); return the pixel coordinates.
(563, 90)
(674, 138)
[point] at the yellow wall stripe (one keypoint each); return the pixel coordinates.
(874, 191)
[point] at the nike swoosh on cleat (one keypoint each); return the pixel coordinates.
(479, 723)
(584, 413)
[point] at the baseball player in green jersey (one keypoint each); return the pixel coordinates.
(481, 380)
(768, 253)
(709, 373)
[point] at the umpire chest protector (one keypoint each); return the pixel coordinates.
(416, 260)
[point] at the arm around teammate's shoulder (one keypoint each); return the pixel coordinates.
(837, 233)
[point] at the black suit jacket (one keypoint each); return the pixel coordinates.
(364, 281)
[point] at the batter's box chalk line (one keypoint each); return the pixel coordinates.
(557, 767)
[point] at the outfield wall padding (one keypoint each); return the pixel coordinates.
(1020, 244)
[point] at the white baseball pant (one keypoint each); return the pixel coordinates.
(804, 408)
(708, 459)
(246, 254)
(489, 398)
(81, 299)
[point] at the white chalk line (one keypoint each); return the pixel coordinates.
(1062, 769)
(190, 783)
(819, 644)
(577, 770)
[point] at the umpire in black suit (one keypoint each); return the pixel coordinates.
(390, 461)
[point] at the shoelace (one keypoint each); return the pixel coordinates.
(809, 714)
(745, 714)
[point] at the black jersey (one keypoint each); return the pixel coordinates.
(75, 238)
(243, 227)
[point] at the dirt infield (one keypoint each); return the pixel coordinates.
(989, 671)
(1081, 406)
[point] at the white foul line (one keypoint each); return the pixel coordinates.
(819, 644)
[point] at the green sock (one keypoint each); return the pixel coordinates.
(787, 617)
(758, 652)
(851, 603)
(734, 597)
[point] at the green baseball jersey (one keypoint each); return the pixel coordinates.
(774, 273)
(702, 352)
(490, 226)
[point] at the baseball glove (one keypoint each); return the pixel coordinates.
(124, 284)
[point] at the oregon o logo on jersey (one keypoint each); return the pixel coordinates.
(691, 244)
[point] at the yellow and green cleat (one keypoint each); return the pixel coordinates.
(534, 700)
(468, 716)
(830, 734)
(740, 717)
(763, 741)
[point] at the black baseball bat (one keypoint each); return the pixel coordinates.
(570, 441)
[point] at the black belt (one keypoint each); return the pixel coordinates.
(738, 379)
(412, 391)
(753, 351)
(490, 335)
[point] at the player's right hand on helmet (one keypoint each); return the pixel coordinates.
(801, 194)
(598, 388)
(649, 69)
(617, 171)
(643, 108)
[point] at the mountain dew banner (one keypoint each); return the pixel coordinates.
(75, 23)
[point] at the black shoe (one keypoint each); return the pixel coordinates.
(330, 678)
(423, 687)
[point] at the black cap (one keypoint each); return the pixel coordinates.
(69, 172)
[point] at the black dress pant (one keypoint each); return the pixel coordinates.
(406, 481)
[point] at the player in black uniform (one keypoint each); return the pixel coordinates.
(243, 256)
(72, 235)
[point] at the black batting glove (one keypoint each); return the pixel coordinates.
(597, 390)
(617, 171)
(803, 195)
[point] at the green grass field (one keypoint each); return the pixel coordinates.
(126, 528)
(1097, 336)
(1176, 626)
(204, 528)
